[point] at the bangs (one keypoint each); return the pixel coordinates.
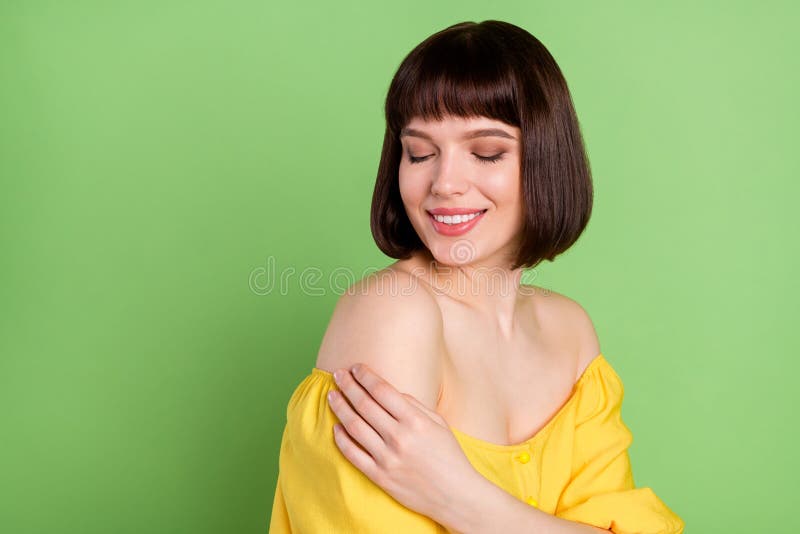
(463, 77)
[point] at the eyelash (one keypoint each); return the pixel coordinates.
(482, 159)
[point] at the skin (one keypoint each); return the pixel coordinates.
(502, 348)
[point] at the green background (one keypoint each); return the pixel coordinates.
(156, 157)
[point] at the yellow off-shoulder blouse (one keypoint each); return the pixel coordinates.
(576, 467)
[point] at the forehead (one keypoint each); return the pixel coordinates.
(461, 127)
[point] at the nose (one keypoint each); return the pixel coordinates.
(449, 177)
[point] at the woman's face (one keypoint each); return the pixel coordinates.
(465, 166)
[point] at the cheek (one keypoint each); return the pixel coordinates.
(504, 188)
(412, 189)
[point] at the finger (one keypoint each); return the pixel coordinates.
(369, 407)
(356, 426)
(392, 401)
(355, 454)
(430, 413)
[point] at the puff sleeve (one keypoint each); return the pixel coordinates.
(318, 489)
(601, 490)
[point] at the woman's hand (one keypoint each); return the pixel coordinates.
(408, 450)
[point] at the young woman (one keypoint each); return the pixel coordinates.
(461, 399)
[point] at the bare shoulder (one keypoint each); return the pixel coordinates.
(391, 322)
(571, 321)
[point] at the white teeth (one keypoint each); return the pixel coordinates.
(456, 219)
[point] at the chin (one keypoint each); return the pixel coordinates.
(458, 252)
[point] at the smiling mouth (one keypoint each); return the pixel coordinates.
(456, 225)
(457, 219)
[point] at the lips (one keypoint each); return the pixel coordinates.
(454, 211)
(451, 230)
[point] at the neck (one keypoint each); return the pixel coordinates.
(489, 287)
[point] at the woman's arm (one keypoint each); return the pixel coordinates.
(486, 508)
(414, 457)
(392, 438)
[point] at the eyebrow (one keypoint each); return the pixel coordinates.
(472, 134)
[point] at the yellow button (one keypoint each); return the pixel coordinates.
(530, 500)
(524, 457)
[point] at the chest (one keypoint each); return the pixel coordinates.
(504, 392)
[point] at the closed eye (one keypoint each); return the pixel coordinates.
(482, 159)
(490, 159)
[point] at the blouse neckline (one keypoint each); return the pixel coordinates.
(596, 362)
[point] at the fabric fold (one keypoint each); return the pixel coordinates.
(601, 491)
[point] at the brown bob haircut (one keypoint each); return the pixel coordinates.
(500, 71)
